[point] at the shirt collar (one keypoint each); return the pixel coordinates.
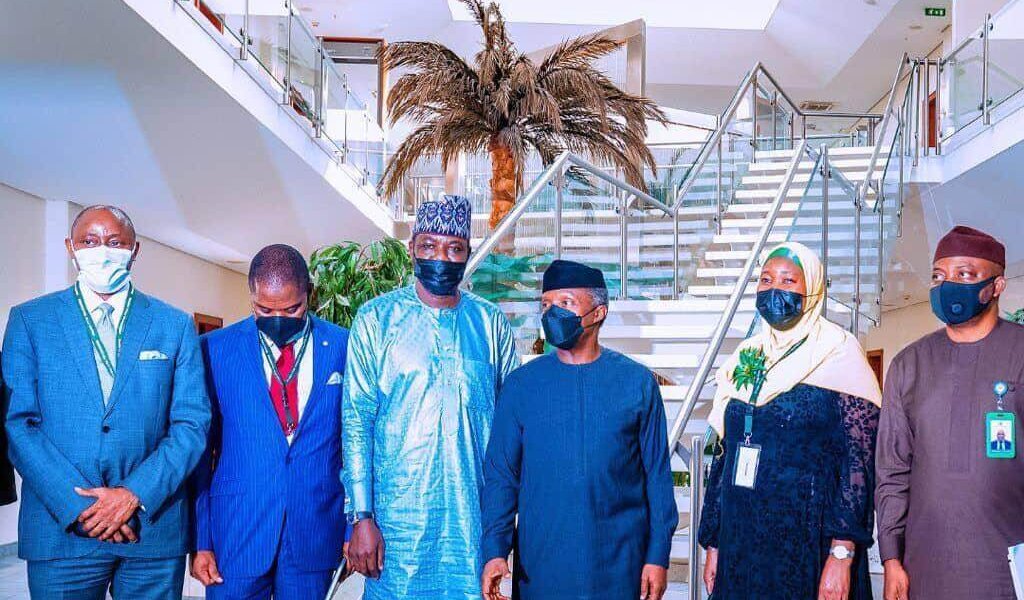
(92, 300)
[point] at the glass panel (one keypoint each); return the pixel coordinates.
(228, 16)
(355, 127)
(376, 150)
(303, 69)
(1006, 47)
(963, 72)
(335, 103)
(268, 34)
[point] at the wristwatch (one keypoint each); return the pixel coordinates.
(356, 517)
(841, 552)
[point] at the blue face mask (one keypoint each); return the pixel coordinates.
(955, 303)
(562, 327)
(781, 309)
(439, 277)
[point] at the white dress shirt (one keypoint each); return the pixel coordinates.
(92, 302)
(304, 377)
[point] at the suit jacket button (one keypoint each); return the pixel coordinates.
(106, 429)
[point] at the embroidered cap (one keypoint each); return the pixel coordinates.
(445, 215)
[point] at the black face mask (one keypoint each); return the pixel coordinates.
(781, 309)
(440, 277)
(562, 327)
(281, 330)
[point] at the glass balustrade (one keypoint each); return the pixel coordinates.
(298, 69)
(1006, 54)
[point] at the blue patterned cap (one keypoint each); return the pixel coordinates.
(445, 215)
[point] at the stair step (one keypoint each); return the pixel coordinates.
(843, 152)
(799, 177)
(855, 163)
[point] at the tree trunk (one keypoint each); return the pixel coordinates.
(503, 181)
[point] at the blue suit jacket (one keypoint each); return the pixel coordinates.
(147, 438)
(252, 478)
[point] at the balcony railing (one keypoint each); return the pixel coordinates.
(280, 50)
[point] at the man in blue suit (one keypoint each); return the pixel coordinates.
(268, 499)
(107, 415)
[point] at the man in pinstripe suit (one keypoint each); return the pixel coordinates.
(268, 500)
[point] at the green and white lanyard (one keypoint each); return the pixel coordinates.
(94, 335)
(748, 418)
(748, 455)
(290, 425)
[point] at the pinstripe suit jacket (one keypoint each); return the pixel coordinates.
(148, 437)
(252, 478)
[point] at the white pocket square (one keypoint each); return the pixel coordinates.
(152, 355)
(334, 379)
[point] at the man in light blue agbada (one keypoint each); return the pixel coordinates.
(425, 363)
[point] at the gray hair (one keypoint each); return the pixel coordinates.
(598, 296)
(119, 214)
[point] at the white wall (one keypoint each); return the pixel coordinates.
(190, 283)
(969, 15)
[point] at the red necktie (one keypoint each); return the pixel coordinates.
(285, 362)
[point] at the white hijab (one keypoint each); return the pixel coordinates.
(830, 358)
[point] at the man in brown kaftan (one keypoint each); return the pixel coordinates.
(947, 509)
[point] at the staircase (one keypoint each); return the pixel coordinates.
(682, 274)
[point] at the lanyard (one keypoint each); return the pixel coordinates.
(94, 335)
(289, 421)
(748, 418)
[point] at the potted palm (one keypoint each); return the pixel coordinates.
(347, 275)
(505, 103)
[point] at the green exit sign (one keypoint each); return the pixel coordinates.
(934, 12)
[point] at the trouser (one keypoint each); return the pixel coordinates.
(286, 580)
(89, 578)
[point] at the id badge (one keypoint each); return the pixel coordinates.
(747, 458)
(1000, 435)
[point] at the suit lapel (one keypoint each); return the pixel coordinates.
(252, 357)
(321, 349)
(79, 345)
(135, 330)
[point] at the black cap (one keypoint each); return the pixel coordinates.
(562, 274)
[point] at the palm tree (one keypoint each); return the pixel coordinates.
(505, 103)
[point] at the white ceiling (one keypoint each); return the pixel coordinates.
(840, 50)
(702, 14)
(102, 109)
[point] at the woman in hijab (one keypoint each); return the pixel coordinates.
(788, 510)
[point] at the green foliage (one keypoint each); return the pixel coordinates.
(1016, 316)
(347, 275)
(750, 368)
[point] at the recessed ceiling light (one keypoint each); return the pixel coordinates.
(916, 27)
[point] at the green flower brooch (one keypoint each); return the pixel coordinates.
(751, 370)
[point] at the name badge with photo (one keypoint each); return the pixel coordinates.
(747, 458)
(1000, 438)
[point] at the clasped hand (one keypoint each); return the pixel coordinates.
(108, 516)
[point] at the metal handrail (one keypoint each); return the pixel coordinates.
(718, 337)
(531, 195)
(888, 112)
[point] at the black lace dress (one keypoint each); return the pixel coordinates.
(815, 483)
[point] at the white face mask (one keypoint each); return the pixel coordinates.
(104, 269)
